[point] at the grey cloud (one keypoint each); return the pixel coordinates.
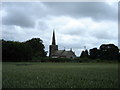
(76, 32)
(103, 35)
(42, 25)
(119, 24)
(119, 36)
(95, 10)
(19, 19)
(17, 15)
(11, 33)
(25, 14)
(21, 14)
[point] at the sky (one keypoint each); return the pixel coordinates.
(76, 24)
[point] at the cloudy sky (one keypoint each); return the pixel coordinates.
(76, 24)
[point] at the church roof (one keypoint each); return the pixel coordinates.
(67, 53)
(58, 53)
(63, 53)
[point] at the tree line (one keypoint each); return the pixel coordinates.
(23, 51)
(34, 50)
(105, 52)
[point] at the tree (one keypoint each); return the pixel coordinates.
(84, 54)
(109, 52)
(15, 51)
(94, 53)
(119, 57)
(37, 47)
(22, 51)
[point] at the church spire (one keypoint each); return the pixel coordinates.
(53, 39)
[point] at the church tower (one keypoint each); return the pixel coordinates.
(53, 47)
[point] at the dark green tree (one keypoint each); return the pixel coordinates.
(84, 54)
(37, 47)
(94, 53)
(109, 52)
(22, 51)
(119, 57)
(15, 51)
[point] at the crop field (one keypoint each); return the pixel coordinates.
(0, 74)
(59, 75)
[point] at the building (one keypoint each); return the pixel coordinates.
(55, 53)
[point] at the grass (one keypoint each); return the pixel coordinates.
(0, 75)
(59, 75)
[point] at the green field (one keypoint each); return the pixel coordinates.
(0, 75)
(59, 75)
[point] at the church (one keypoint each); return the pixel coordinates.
(55, 53)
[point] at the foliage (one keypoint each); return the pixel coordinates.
(94, 53)
(37, 47)
(106, 51)
(59, 75)
(15, 51)
(84, 54)
(109, 51)
(22, 51)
